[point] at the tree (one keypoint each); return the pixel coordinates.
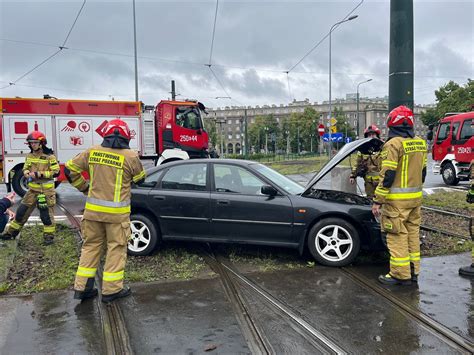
(450, 98)
(210, 127)
(342, 124)
(264, 125)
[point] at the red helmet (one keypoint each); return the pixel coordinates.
(372, 129)
(36, 136)
(401, 116)
(119, 127)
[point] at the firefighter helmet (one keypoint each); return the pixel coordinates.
(372, 129)
(401, 116)
(36, 136)
(117, 127)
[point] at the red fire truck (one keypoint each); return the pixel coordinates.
(172, 130)
(453, 147)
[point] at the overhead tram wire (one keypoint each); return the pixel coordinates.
(63, 46)
(322, 39)
(221, 65)
(213, 33)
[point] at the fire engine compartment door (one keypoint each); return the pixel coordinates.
(77, 133)
(17, 127)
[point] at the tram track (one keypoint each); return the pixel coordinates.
(434, 327)
(116, 337)
(236, 285)
(447, 214)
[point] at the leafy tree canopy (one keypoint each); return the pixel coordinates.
(451, 97)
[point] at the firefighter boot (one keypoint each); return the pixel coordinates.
(390, 280)
(48, 239)
(9, 235)
(126, 291)
(414, 277)
(89, 291)
(467, 271)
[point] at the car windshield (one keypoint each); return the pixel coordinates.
(281, 181)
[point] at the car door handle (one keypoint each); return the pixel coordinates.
(161, 198)
(223, 202)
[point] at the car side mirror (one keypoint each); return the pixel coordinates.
(268, 190)
(199, 131)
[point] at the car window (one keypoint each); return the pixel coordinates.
(466, 130)
(443, 132)
(235, 179)
(151, 179)
(455, 130)
(188, 117)
(191, 177)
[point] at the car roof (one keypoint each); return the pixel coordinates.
(240, 162)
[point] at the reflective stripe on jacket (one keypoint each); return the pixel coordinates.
(111, 172)
(46, 166)
(407, 157)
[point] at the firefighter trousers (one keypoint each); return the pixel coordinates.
(99, 236)
(27, 206)
(403, 239)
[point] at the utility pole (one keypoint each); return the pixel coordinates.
(400, 79)
(173, 91)
(246, 136)
(135, 49)
(287, 142)
(298, 140)
(266, 140)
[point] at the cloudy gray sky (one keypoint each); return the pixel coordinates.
(255, 43)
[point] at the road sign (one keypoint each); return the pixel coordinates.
(335, 137)
(333, 129)
(333, 121)
(348, 139)
(321, 129)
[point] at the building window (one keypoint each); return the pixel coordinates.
(229, 121)
(237, 136)
(229, 136)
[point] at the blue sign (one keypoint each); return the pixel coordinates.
(348, 139)
(335, 137)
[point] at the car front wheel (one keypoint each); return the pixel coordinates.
(333, 242)
(144, 237)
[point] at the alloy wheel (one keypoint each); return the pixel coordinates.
(140, 237)
(333, 243)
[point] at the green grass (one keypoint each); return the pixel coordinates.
(171, 262)
(300, 166)
(43, 268)
(453, 201)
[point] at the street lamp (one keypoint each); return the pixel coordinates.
(266, 139)
(330, 107)
(363, 82)
(287, 142)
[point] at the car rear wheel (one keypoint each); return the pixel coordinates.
(145, 235)
(449, 174)
(333, 242)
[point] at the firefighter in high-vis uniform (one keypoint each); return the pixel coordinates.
(368, 165)
(112, 167)
(469, 270)
(398, 196)
(40, 169)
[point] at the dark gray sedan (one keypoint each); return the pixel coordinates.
(238, 201)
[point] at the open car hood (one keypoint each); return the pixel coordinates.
(365, 146)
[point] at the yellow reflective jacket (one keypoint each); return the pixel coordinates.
(111, 172)
(46, 168)
(406, 157)
(368, 165)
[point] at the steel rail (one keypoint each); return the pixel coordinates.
(440, 231)
(116, 337)
(256, 340)
(439, 330)
(316, 339)
(449, 213)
